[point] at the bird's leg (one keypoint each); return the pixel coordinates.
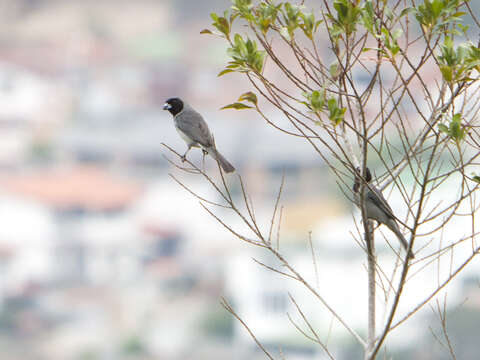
(184, 156)
(205, 152)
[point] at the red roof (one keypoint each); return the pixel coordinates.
(85, 187)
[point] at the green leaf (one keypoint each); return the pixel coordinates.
(206, 31)
(458, 14)
(447, 72)
(225, 71)
(245, 54)
(457, 118)
(236, 106)
(437, 6)
(407, 11)
(249, 96)
(464, 28)
(334, 69)
(317, 100)
(476, 178)
(456, 131)
(443, 128)
(238, 39)
(439, 16)
(348, 15)
(332, 104)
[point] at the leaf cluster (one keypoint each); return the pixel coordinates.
(318, 102)
(454, 129)
(457, 64)
(348, 15)
(436, 15)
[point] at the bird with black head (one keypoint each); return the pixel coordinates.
(377, 208)
(194, 130)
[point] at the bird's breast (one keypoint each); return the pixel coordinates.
(184, 136)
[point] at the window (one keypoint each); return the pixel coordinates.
(275, 302)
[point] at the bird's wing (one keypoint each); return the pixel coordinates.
(377, 198)
(191, 123)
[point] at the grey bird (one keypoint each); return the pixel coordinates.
(377, 208)
(194, 130)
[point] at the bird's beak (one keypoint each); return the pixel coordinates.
(167, 106)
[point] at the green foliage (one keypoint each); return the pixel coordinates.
(309, 24)
(388, 37)
(133, 346)
(248, 96)
(236, 106)
(41, 151)
(291, 17)
(244, 8)
(315, 100)
(389, 41)
(455, 129)
(289, 20)
(334, 70)
(457, 64)
(266, 15)
(348, 17)
(294, 17)
(222, 23)
(369, 19)
(318, 102)
(336, 113)
(246, 56)
(87, 354)
(436, 15)
(244, 52)
(217, 323)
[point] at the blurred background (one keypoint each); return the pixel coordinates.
(104, 256)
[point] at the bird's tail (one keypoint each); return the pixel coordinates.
(394, 227)
(226, 166)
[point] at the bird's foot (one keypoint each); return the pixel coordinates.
(184, 158)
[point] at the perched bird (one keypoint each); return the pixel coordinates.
(377, 208)
(194, 130)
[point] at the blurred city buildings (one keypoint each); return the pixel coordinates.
(102, 254)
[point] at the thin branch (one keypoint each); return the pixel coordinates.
(229, 308)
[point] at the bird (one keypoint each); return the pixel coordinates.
(194, 130)
(377, 207)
